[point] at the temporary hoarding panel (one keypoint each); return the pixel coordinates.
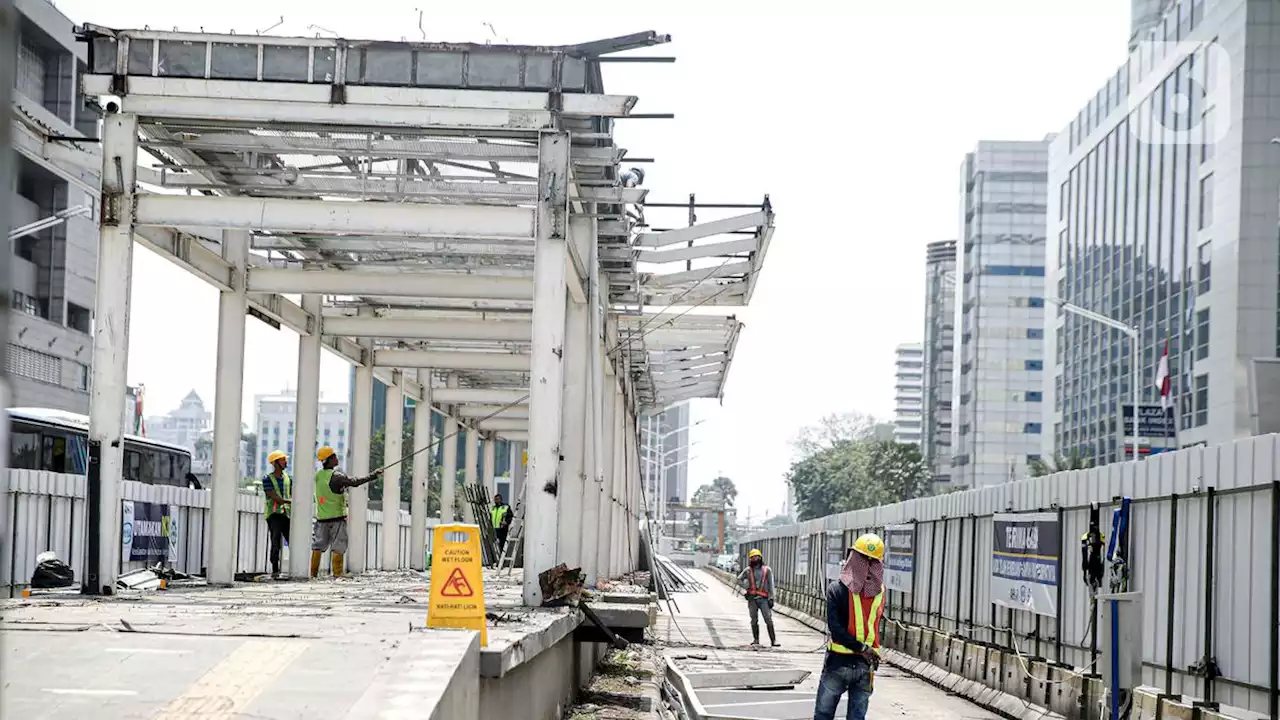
(900, 557)
(802, 555)
(1025, 562)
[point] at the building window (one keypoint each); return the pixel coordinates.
(1205, 253)
(1035, 333)
(1207, 144)
(1201, 400)
(1033, 458)
(1014, 270)
(34, 364)
(82, 377)
(1206, 201)
(1035, 302)
(79, 319)
(1034, 365)
(1031, 428)
(1035, 396)
(1202, 334)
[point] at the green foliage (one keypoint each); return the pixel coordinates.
(377, 452)
(719, 490)
(1072, 461)
(778, 521)
(843, 467)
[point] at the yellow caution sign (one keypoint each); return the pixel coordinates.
(457, 581)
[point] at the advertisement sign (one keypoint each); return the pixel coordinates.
(899, 557)
(1157, 430)
(802, 555)
(835, 554)
(147, 532)
(1025, 563)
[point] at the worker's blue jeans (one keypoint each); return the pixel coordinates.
(852, 676)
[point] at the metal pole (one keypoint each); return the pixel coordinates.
(1275, 599)
(1133, 382)
(1173, 595)
(1210, 671)
(1057, 628)
(959, 569)
(915, 568)
(973, 570)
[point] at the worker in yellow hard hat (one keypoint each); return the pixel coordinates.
(855, 606)
(331, 510)
(757, 586)
(277, 489)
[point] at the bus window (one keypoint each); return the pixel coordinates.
(148, 470)
(132, 465)
(24, 451)
(55, 453)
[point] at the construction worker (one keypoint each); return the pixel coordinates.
(331, 510)
(855, 605)
(501, 518)
(277, 486)
(757, 585)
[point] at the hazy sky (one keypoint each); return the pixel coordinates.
(854, 121)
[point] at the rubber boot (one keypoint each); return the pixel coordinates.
(316, 557)
(773, 638)
(336, 561)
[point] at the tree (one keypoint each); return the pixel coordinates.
(899, 471)
(1072, 461)
(857, 473)
(833, 430)
(719, 490)
(778, 521)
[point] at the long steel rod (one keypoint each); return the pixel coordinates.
(1172, 593)
(1210, 551)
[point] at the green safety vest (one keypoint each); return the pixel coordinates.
(864, 623)
(271, 507)
(329, 504)
(496, 515)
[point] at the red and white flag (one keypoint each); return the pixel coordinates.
(1162, 379)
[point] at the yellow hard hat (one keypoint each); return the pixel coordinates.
(754, 553)
(325, 453)
(277, 455)
(870, 545)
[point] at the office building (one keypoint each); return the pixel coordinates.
(998, 383)
(939, 339)
(908, 393)
(54, 247)
(664, 443)
(183, 425)
(1166, 222)
(274, 417)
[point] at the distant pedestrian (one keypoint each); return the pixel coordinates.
(855, 605)
(757, 585)
(500, 516)
(277, 486)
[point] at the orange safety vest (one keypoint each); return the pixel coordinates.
(764, 582)
(864, 623)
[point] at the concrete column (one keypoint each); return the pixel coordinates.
(591, 486)
(421, 474)
(232, 306)
(619, 482)
(361, 433)
(303, 461)
(547, 370)
(517, 474)
(637, 505)
(111, 339)
(489, 463)
(604, 531)
(472, 457)
(392, 450)
(572, 436)
(449, 473)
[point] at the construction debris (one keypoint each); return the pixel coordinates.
(560, 585)
(675, 578)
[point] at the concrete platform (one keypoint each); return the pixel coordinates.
(349, 648)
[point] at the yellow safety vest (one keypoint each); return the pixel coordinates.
(271, 507)
(495, 515)
(864, 623)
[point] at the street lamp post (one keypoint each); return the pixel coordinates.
(1133, 336)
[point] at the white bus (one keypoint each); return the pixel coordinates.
(58, 441)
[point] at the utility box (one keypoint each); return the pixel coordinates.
(1120, 646)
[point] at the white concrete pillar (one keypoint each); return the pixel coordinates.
(572, 434)
(303, 462)
(546, 391)
(591, 486)
(232, 306)
(489, 465)
(472, 457)
(619, 484)
(422, 438)
(518, 471)
(636, 504)
(392, 450)
(604, 546)
(449, 473)
(361, 432)
(111, 338)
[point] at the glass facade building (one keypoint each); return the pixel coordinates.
(939, 340)
(1163, 216)
(908, 394)
(998, 382)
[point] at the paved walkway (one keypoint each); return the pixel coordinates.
(715, 624)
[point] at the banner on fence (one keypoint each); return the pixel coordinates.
(802, 555)
(835, 554)
(147, 533)
(900, 557)
(1025, 563)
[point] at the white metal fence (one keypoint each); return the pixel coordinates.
(1235, 625)
(47, 512)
